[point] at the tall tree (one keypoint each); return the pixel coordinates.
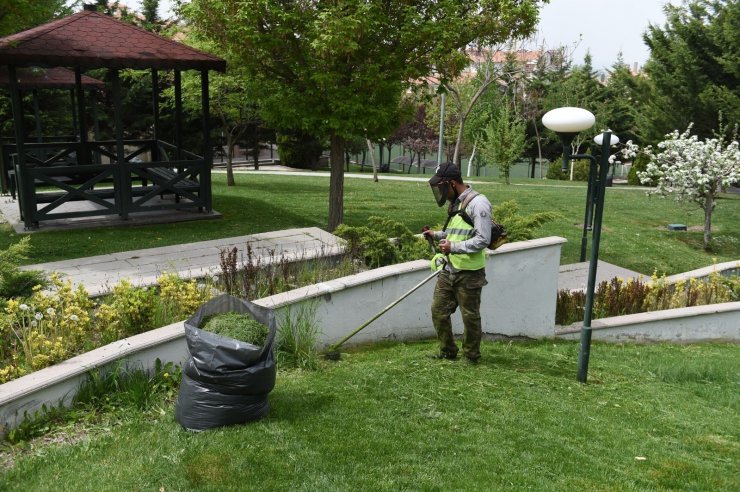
(579, 88)
(693, 170)
(338, 68)
(695, 68)
(623, 101)
(19, 15)
(504, 140)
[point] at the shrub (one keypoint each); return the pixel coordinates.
(54, 325)
(555, 171)
(43, 330)
(299, 150)
(617, 297)
(14, 282)
(382, 242)
(639, 165)
(179, 298)
(298, 336)
(580, 172)
(252, 276)
(520, 227)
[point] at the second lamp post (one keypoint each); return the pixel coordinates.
(567, 123)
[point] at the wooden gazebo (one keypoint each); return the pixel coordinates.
(137, 172)
(36, 79)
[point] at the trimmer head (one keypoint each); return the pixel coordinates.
(334, 355)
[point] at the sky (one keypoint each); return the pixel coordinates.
(603, 27)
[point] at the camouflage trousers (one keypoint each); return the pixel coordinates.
(461, 289)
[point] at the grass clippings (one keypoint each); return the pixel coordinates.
(237, 326)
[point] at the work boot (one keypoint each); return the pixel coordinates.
(443, 355)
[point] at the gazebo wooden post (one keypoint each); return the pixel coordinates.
(205, 179)
(25, 182)
(37, 115)
(84, 157)
(155, 111)
(121, 174)
(96, 124)
(114, 45)
(178, 115)
(73, 103)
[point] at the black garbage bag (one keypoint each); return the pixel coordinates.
(225, 381)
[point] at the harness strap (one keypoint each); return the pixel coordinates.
(460, 210)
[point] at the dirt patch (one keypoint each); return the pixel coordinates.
(74, 434)
(694, 228)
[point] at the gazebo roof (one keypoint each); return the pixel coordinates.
(89, 39)
(48, 78)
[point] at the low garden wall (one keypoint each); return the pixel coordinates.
(519, 301)
(710, 323)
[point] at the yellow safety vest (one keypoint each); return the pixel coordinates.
(459, 230)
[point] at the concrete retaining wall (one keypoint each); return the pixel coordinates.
(519, 300)
(715, 322)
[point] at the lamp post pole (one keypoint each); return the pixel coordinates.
(567, 122)
(440, 145)
(596, 194)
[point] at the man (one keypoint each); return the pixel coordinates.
(464, 274)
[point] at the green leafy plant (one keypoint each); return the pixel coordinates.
(117, 389)
(14, 282)
(298, 336)
(617, 297)
(382, 242)
(237, 326)
(252, 276)
(520, 227)
(580, 172)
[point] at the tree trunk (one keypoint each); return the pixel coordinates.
(372, 159)
(229, 159)
(472, 157)
(336, 182)
(539, 146)
(256, 156)
(708, 206)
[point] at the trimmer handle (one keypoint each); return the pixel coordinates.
(429, 238)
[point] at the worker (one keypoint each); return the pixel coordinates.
(465, 236)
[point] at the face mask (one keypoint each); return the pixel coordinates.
(440, 193)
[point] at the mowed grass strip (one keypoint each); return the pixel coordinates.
(389, 418)
(634, 236)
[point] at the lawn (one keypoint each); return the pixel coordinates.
(389, 418)
(634, 235)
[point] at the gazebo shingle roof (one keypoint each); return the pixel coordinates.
(89, 39)
(48, 78)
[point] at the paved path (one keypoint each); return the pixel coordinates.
(98, 274)
(575, 275)
(142, 267)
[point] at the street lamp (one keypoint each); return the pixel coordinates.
(567, 123)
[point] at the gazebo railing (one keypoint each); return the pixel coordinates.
(48, 185)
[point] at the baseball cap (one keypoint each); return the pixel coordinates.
(445, 171)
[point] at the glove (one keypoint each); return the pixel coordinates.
(438, 262)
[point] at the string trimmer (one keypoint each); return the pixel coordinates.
(332, 353)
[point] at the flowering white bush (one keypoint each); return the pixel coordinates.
(693, 170)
